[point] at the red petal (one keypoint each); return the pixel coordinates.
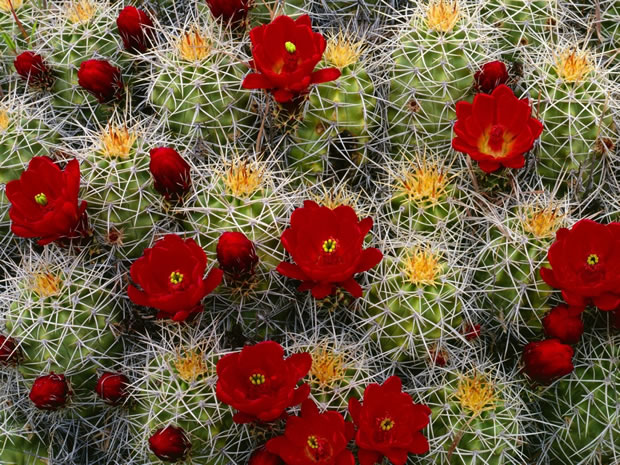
(282, 95)
(324, 75)
(368, 457)
(256, 81)
(290, 270)
(352, 287)
(368, 259)
(322, 290)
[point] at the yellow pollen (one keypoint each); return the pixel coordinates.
(176, 277)
(193, 46)
(573, 65)
(5, 5)
(290, 47)
(116, 142)
(427, 182)
(243, 179)
(422, 267)
(341, 51)
(592, 259)
(41, 199)
(327, 367)
(313, 442)
(476, 394)
(4, 120)
(82, 12)
(46, 284)
(541, 223)
(386, 424)
(257, 379)
(442, 15)
(191, 366)
(329, 246)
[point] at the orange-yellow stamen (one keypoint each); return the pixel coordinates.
(176, 277)
(592, 259)
(386, 424)
(41, 199)
(313, 442)
(329, 246)
(257, 379)
(290, 47)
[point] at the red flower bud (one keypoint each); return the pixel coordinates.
(490, 76)
(9, 352)
(112, 387)
(101, 79)
(50, 392)
(471, 332)
(234, 11)
(135, 28)
(236, 254)
(33, 69)
(564, 323)
(170, 172)
(170, 444)
(262, 457)
(546, 360)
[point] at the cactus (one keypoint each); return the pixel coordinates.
(194, 85)
(581, 409)
(62, 310)
(264, 11)
(19, 446)
(13, 38)
(516, 240)
(334, 131)
(123, 206)
(434, 63)
(570, 95)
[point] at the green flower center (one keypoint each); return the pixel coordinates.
(313, 442)
(257, 379)
(592, 259)
(386, 424)
(329, 246)
(41, 199)
(176, 277)
(290, 47)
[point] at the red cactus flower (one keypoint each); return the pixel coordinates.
(314, 438)
(236, 254)
(327, 247)
(170, 172)
(490, 76)
(233, 11)
(135, 28)
(263, 457)
(564, 323)
(44, 201)
(50, 392)
(471, 332)
(285, 54)
(170, 444)
(496, 130)
(33, 69)
(171, 277)
(260, 383)
(101, 79)
(388, 424)
(584, 264)
(9, 352)
(112, 387)
(547, 360)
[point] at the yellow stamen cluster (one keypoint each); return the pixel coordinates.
(422, 267)
(257, 379)
(5, 5)
(193, 46)
(4, 119)
(573, 65)
(442, 15)
(541, 222)
(592, 259)
(341, 51)
(191, 365)
(116, 142)
(329, 246)
(476, 394)
(290, 47)
(242, 179)
(426, 182)
(46, 284)
(313, 442)
(176, 277)
(41, 199)
(82, 11)
(327, 367)
(386, 424)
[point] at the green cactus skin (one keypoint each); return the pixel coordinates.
(62, 312)
(522, 24)
(581, 408)
(19, 446)
(124, 209)
(493, 436)
(575, 116)
(263, 11)
(194, 86)
(11, 38)
(334, 130)
(410, 320)
(432, 71)
(507, 274)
